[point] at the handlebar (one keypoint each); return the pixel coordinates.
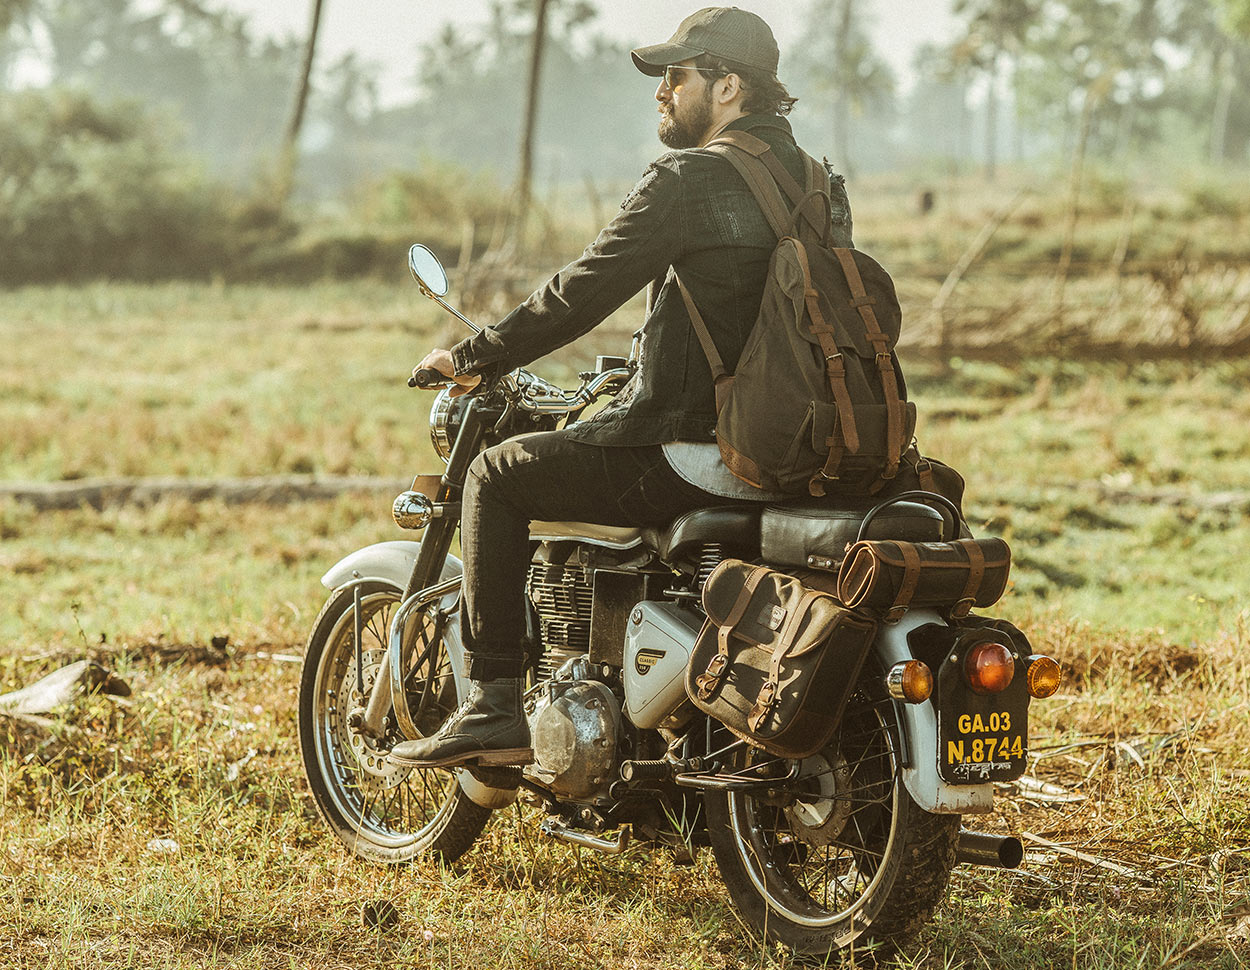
(426, 377)
(529, 392)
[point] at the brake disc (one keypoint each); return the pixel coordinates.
(375, 773)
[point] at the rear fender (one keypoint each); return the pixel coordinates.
(391, 563)
(919, 724)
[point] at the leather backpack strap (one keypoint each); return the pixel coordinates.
(800, 198)
(862, 302)
(721, 378)
(835, 371)
(762, 186)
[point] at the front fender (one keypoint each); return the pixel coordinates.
(919, 722)
(392, 562)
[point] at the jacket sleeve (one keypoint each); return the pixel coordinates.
(634, 248)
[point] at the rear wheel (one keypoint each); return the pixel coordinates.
(382, 813)
(841, 857)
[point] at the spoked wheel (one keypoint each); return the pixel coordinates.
(841, 856)
(382, 813)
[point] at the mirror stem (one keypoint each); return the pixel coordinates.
(450, 309)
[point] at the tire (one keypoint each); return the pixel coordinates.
(381, 813)
(843, 857)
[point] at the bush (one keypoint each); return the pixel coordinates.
(91, 190)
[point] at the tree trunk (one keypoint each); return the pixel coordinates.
(526, 179)
(841, 100)
(991, 117)
(290, 140)
(1223, 102)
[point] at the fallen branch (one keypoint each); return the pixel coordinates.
(99, 493)
(1085, 857)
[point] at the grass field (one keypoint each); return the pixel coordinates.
(1120, 487)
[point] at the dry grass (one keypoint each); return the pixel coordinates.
(1121, 489)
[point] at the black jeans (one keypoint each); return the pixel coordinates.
(549, 478)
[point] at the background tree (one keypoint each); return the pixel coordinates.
(290, 139)
(996, 31)
(839, 63)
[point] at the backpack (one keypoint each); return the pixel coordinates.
(817, 401)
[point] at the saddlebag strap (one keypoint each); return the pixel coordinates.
(911, 579)
(718, 666)
(767, 696)
(722, 380)
(862, 302)
(976, 572)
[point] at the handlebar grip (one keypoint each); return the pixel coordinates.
(426, 377)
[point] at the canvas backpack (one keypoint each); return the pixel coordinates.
(817, 400)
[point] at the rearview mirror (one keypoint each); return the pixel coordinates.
(427, 270)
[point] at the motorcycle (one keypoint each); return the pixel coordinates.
(850, 846)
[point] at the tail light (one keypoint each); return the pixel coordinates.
(911, 681)
(989, 668)
(1043, 676)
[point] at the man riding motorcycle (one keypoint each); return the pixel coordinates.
(629, 465)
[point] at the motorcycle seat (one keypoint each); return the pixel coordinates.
(735, 528)
(797, 533)
(609, 536)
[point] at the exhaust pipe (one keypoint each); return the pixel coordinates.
(983, 849)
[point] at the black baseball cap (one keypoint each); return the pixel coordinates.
(729, 33)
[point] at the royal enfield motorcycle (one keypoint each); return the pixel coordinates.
(850, 846)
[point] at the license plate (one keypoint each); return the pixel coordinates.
(981, 737)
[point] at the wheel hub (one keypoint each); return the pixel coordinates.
(821, 809)
(367, 753)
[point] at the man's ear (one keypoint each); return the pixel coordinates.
(731, 88)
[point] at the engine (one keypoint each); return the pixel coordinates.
(575, 724)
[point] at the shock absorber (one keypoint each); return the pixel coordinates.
(710, 557)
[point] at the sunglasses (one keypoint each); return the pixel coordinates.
(673, 74)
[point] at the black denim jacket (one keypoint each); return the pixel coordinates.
(691, 211)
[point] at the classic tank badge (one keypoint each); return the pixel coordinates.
(644, 660)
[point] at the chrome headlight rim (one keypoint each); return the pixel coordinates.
(441, 412)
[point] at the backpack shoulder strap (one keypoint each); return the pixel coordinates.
(721, 378)
(762, 186)
(812, 202)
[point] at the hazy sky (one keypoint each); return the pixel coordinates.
(388, 32)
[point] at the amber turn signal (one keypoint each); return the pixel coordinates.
(1043, 676)
(989, 668)
(910, 681)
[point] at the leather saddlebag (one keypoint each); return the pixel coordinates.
(887, 577)
(776, 660)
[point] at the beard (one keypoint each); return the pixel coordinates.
(687, 129)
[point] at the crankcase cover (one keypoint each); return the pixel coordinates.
(575, 737)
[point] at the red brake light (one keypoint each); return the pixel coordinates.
(989, 668)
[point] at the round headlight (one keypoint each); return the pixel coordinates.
(445, 421)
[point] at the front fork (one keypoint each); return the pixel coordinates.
(423, 586)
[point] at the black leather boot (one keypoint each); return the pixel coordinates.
(489, 728)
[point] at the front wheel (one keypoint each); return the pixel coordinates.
(381, 812)
(842, 857)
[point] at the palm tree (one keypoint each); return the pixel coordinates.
(290, 140)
